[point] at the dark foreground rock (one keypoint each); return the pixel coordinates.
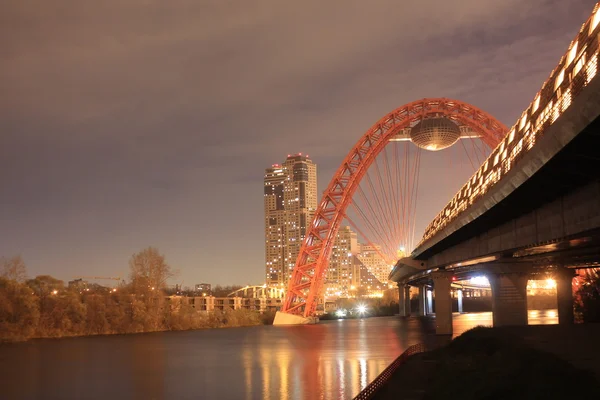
(488, 363)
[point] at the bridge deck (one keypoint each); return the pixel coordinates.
(575, 165)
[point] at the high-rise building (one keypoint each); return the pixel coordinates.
(371, 257)
(290, 200)
(363, 281)
(353, 268)
(340, 271)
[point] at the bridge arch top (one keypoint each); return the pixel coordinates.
(491, 130)
(308, 276)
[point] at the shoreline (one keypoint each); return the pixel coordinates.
(3, 342)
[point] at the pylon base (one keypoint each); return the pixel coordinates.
(282, 318)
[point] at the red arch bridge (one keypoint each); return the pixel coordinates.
(487, 224)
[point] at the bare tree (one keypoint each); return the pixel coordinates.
(13, 269)
(149, 270)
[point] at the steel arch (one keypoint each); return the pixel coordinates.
(306, 283)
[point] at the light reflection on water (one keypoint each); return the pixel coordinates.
(331, 360)
(464, 322)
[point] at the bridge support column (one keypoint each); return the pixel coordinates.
(422, 300)
(509, 296)
(283, 318)
(404, 300)
(442, 281)
(459, 296)
(429, 302)
(564, 294)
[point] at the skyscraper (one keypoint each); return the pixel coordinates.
(370, 256)
(340, 272)
(290, 199)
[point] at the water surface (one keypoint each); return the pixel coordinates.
(330, 360)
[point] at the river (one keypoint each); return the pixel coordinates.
(330, 360)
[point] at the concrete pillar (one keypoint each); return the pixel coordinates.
(210, 303)
(422, 300)
(263, 304)
(237, 303)
(407, 307)
(404, 300)
(564, 294)
(429, 302)
(509, 297)
(459, 296)
(442, 281)
(401, 301)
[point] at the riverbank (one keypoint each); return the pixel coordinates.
(515, 363)
(116, 320)
(247, 324)
(44, 308)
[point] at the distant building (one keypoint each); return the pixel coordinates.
(274, 224)
(363, 280)
(290, 201)
(370, 256)
(340, 271)
(203, 287)
(209, 304)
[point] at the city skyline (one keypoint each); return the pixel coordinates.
(115, 140)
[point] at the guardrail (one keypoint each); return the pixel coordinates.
(369, 392)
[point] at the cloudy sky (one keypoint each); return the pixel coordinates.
(129, 123)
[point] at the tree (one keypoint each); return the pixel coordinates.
(13, 269)
(96, 322)
(588, 299)
(390, 297)
(149, 271)
(19, 312)
(62, 315)
(45, 285)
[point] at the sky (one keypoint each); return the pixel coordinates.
(133, 123)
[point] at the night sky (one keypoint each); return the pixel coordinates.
(130, 123)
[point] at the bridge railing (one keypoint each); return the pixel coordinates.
(373, 387)
(575, 70)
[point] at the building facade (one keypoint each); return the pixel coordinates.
(203, 287)
(364, 283)
(370, 256)
(340, 273)
(290, 202)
